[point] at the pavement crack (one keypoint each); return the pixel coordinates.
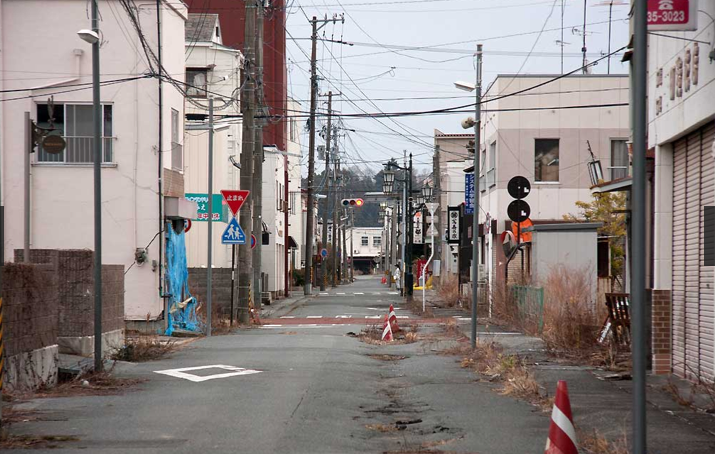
(296, 407)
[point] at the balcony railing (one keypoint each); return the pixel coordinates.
(491, 178)
(79, 150)
(618, 172)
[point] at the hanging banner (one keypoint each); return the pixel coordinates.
(417, 229)
(469, 193)
(453, 228)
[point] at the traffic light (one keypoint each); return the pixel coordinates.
(353, 203)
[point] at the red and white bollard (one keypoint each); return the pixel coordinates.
(562, 435)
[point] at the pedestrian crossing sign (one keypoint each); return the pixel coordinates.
(233, 233)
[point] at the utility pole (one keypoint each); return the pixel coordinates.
(638, 283)
(328, 179)
(209, 254)
(352, 246)
(409, 279)
(334, 252)
(475, 215)
(436, 176)
(97, 127)
(29, 149)
(583, 49)
(344, 255)
(257, 183)
(311, 153)
(245, 258)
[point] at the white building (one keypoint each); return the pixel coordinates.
(138, 178)
(681, 137)
(539, 134)
(212, 69)
(367, 247)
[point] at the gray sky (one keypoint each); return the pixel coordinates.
(450, 29)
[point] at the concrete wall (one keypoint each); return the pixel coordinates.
(62, 197)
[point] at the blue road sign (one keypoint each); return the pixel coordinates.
(469, 193)
(324, 253)
(233, 233)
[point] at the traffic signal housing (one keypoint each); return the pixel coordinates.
(353, 203)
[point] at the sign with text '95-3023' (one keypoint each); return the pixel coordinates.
(670, 15)
(453, 225)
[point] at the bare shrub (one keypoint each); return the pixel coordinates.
(143, 348)
(571, 321)
(448, 290)
(595, 443)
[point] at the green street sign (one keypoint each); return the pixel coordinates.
(220, 213)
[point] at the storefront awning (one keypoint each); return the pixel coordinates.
(291, 243)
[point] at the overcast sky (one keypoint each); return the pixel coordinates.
(397, 80)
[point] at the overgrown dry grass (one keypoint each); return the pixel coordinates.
(144, 347)
(571, 317)
(373, 335)
(595, 443)
(8, 441)
(510, 371)
(448, 290)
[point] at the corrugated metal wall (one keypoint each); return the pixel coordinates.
(693, 303)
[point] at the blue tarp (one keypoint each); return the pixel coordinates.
(181, 316)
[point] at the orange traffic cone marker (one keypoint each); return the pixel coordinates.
(387, 330)
(562, 435)
(393, 319)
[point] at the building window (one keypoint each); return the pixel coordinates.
(365, 241)
(491, 174)
(177, 150)
(376, 241)
(75, 122)
(619, 159)
(546, 160)
(196, 80)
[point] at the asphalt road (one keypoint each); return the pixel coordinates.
(317, 390)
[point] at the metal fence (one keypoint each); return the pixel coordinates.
(79, 150)
(530, 304)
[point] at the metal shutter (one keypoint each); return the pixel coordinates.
(693, 303)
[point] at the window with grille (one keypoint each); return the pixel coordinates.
(75, 123)
(376, 241)
(365, 241)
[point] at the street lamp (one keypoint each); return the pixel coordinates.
(389, 180)
(466, 124)
(92, 37)
(427, 192)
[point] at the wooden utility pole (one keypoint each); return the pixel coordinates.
(336, 205)
(436, 175)
(326, 210)
(311, 153)
(245, 262)
(257, 184)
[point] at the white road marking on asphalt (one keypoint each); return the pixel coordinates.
(182, 373)
(402, 316)
(344, 316)
(288, 316)
(324, 293)
(314, 316)
(271, 326)
(358, 293)
(376, 293)
(327, 325)
(372, 316)
(340, 293)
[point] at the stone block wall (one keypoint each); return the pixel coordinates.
(661, 331)
(74, 271)
(220, 287)
(30, 307)
(30, 326)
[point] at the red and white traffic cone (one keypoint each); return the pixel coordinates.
(387, 330)
(562, 435)
(393, 319)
